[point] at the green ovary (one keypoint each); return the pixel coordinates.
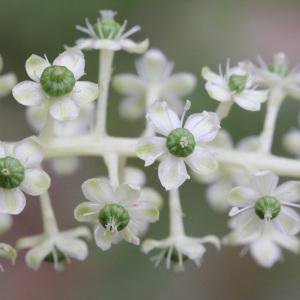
(57, 81)
(109, 28)
(12, 172)
(180, 142)
(237, 83)
(267, 207)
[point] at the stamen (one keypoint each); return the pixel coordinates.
(235, 210)
(187, 106)
(122, 28)
(291, 204)
(131, 31)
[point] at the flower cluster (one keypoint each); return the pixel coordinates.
(69, 117)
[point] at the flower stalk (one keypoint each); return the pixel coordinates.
(176, 222)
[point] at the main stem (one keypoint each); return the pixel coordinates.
(49, 221)
(105, 70)
(176, 222)
(273, 105)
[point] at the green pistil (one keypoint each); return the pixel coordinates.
(237, 83)
(108, 27)
(181, 142)
(12, 172)
(57, 81)
(267, 207)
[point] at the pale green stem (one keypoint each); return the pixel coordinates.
(277, 95)
(105, 70)
(49, 221)
(224, 109)
(112, 164)
(152, 94)
(176, 222)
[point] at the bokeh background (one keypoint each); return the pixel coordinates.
(193, 34)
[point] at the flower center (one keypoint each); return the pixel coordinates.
(57, 81)
(237, 83)
(267, 207)
(280, 69)
(114, 217)
(60, 257)
(181, 142)
(175, 256)
(11, 173)
(108, 28)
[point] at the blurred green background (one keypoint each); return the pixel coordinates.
(193, 34)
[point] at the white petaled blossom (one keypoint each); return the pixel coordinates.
(108, 34)
(278, 74)
(265, 247)
(154, 77)
(7, 81)
(236, 85)
(177, 250)
(37, 117)
(57, 84)
(264, 202)
(7, 252)
(115, 212)
(227, 176)
(136, 178)
(56, 248)
(20, 173)
(179, 144)
(5, 222)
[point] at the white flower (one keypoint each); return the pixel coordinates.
(227, 176)
(57, 83)
(7, 81)
(136, 178)
(179, 144)
(116, 213)
(20, 172)
(108, 34)
(37, 116)
(154, 75)
(264, 202)
(56, 249)
(265, 247)
(5, 223)
(278, 74)
(234, 86)
(176, 250)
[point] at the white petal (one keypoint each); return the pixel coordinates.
(265, 252)
(133, 47)
(204, 126)
(29, 152)
(128, 84)
(5, 222)
(35, 256)
(163, 119)
(87, 212)
(247, 223)
(288, 191)
(223, 140)
(172, 172)
(35, 65)
(65, 165)
(12, 201)
(36, 182)
(247, 101)
(150, 148)
(145, 212)
(98, 190)
(37, 116)
(265, 182)
(126, 195)
(202, 161)
(105, 44)
(7, 82)
(210, 76)
(130, 236)
(242, 196)
(288, 221)
(72, 59)
(72, 247)
(218, 92)
(134, 176)
(291, 141)
(132, 107)
(64, 110)
(103, 238)
(151, 196)
(181, 84)
(291, 243)
(85, 91)
(28, 93)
